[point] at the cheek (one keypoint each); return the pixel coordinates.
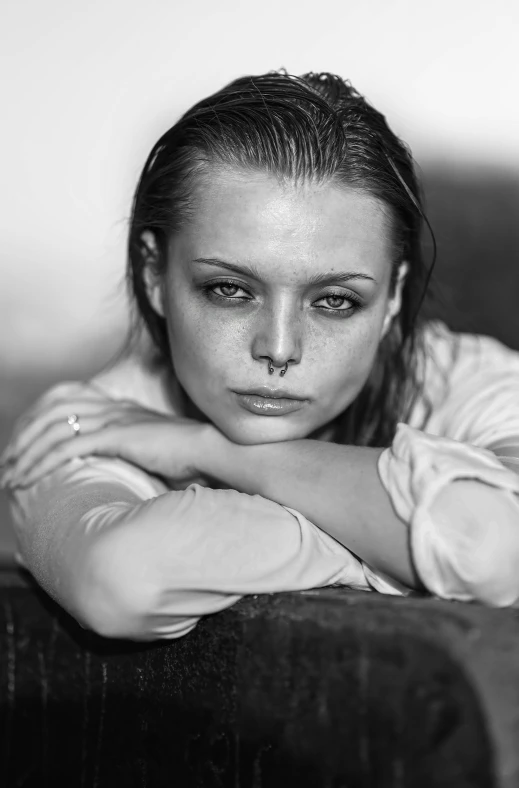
(201, 344)
(345, 361)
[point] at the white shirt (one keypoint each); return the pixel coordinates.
(202, 549)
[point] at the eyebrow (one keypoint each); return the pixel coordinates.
(253, 273)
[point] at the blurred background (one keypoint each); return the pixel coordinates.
(87, 88)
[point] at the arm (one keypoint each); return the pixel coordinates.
(127, 564)
(455, 504)
(336, 487)
(444, 503)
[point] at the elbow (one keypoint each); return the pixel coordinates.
(115, 598)
(477, 554)
(492, 578)
(491, 586)
(493, 565)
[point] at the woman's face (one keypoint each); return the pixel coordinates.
(297, 273)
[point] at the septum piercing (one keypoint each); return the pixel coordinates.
(271, 368)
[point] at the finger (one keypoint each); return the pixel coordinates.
(46, 401)
(67, 392)
(103, 442)
(103, 412)
(57, 433)
(58, 412)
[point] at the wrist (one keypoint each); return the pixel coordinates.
(232, 464)
(213, 453)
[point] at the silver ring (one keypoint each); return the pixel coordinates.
(73, 421)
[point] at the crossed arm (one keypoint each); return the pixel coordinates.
(297, 515)
(461, 501)
(147, 569)
(337, 488)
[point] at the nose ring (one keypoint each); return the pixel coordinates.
(271, 368)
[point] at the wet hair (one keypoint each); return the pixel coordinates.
(316, 128)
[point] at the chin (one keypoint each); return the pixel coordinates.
(261, 429)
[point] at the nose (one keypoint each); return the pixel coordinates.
(278, 337)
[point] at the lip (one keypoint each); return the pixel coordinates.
(269, 402)
(266, 391)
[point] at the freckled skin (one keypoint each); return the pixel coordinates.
(287, 232)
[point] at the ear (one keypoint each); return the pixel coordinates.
(395, 302)
(152, 279)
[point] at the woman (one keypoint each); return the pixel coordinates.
(292, 423)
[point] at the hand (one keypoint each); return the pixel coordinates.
(165, 446)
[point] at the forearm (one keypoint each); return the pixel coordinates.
(336, 487)
(147, 569)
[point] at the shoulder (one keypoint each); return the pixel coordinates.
(455, 359)
(133, 376)
(139, 376)
(454, 352)
(465, 378)
(87, 478)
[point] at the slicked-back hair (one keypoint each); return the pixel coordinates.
(314, 128)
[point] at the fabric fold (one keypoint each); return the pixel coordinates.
(464, 542)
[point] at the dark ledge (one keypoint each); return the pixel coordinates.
(329, 688)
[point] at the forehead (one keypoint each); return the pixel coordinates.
(289, 228)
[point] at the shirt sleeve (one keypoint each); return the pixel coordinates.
(464, 537)
(481, 404)
(465, 545)
(173, 556)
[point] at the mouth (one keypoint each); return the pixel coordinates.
(264, 401)
(271, 393)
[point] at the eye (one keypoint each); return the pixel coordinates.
(336, 302)
(229, 291)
